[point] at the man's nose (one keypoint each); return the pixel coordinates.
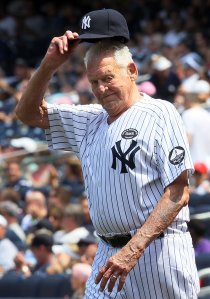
(102, 86)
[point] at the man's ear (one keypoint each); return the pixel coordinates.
(132, 71)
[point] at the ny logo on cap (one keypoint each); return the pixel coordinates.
(86, 22)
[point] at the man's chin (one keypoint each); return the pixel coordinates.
(110, 106)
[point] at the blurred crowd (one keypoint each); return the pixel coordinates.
(45, 226)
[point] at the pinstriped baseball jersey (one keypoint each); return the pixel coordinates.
(166, 270)
(126, 164)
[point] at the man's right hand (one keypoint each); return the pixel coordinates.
(32, 108)
(59, 50)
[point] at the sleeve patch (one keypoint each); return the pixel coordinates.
(176, 155)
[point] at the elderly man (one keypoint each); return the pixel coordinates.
(197, 121)
(135, 160)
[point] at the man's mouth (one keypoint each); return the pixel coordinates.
(106, 96)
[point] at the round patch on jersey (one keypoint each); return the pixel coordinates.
(129, 133)
(176, 155)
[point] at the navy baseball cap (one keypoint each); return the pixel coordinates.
(102, 24)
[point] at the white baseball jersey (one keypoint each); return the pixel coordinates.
(166, 270)
(127, 164)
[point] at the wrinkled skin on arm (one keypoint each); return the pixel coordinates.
(32, 108)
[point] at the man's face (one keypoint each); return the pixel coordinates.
(41, 254)
(111, 84)
(33, 208)
(89, 254)
(13, 171)
(68, 223)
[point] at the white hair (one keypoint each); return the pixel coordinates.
(119, 51)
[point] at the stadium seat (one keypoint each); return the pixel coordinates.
(13, 285)
(10, 285)
(55, 286)
(203, 261)
(30, 287)
(199, 203)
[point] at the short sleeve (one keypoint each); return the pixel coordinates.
(69, 125)
(171, 145)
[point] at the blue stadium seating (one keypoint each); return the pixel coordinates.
(13, 285)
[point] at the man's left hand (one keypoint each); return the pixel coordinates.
(117, 267)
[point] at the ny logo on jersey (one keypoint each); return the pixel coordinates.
(86, 22)
(118, 154)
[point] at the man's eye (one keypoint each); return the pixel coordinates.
(109, 79)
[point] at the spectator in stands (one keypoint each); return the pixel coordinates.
(55, 215)
(65, 257)
(8, 250)
(42, 223)
(165, 80)
(22, 71)
(35, 209)
(200, 181)
(14, 233)
(87, 223)
(85, 242)
(193, 67)
(79, 276)
(41, 246)
(89, 254)
(9, 194)
(85, 97)
(8, 119)
(59, 197)
(53, 21)
(16, 180)
(73, 178)
(72, 230)
(197, 230)
(8, 99)
(22, 265)
(45, 177)
(197, 123)
(203, 93)
(148, 88)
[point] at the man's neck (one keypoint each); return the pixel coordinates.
(112, 118)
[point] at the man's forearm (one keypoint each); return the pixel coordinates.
(173, 200)
(31, 109)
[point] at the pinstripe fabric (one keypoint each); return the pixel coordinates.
(159, 274)
(132, 195)
(126, 176)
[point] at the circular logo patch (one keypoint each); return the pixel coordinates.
(176, 155)
(129, 133)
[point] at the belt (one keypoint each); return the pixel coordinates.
(121, 240)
